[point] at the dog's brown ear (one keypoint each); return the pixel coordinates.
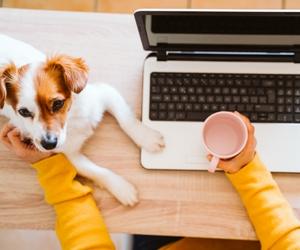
(8, 75)
(74, 71)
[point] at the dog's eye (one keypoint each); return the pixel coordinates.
(57, 105)
(25, 112)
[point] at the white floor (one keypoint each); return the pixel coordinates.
(46, 240)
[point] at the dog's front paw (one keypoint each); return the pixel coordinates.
(149, 139)
(124, 191)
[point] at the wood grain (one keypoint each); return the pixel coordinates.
(237, 4)
(185, 203)
(74, 5)
(129, 6)
(291, 4)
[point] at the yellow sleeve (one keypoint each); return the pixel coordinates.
(272, 217)
(79, 224)
(275, 224)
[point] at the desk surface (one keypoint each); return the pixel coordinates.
(185, 203)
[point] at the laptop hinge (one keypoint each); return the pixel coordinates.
(297, 54)
(162, 55)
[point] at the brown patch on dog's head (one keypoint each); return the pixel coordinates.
(73, 70)
(10, 77)
(55, 81)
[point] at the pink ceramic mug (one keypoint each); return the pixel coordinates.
(224, 135)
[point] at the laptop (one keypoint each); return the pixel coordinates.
(204, 61)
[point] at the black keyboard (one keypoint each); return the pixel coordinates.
(195, 96)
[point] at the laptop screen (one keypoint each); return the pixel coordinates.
(190, 29)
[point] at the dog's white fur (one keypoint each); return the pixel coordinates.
(85, 114)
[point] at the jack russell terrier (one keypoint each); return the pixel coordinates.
(49, 101)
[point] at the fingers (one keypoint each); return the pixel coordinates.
(5, 130)
(4, 134)
(15, 139)
(247, 122)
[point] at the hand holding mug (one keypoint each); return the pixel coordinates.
(241, 147)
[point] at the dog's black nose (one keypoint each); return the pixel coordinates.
(49, 142)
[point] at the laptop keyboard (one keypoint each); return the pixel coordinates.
(195, 96)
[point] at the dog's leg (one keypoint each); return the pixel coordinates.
(124, 191)
(142, 135)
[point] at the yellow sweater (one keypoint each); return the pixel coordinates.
(80, 226)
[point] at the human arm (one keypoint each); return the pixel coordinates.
(275, 224)
(79, 224)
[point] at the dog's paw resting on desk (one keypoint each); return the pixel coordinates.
(147, 138)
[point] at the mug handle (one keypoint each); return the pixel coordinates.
(213, 164)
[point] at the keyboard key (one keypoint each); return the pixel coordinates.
(289, 92)
(264, 108)
(201, 99)
(254, 99)
(153, 106)
(241, 107)
(193, 98)
(156, 98)
(162, 115)
(219, 99)
(205, 107)
(191, 90)
(227, 99)
(245, 99)
(171, 106)
(262, 99)
(234, 91)
(173, 90)
(162, 106)
(179, 106)
(249, 107)
(197, 107)
(297, 118)
(171, 115)
(297, 109)
(223, 107)
(289, 109)
(180, 116)
(280, 109)
(155, 89)
(184, 98)
(182, 90)
(188, 106)
(232, 107)
(225, 91)
(197, 116)
(236, 99)
(268, 83)
(166, 98)
(271, 117)
(153, 115)
(253, 117)
(175, 98)
(285, 118)
(210, 99)
(199, 90)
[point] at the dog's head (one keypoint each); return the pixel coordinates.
(40, 96)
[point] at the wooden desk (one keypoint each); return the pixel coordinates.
(185, 203)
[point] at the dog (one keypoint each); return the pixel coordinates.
(49, 101)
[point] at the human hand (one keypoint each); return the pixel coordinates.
(234, 164)
(11, 138)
